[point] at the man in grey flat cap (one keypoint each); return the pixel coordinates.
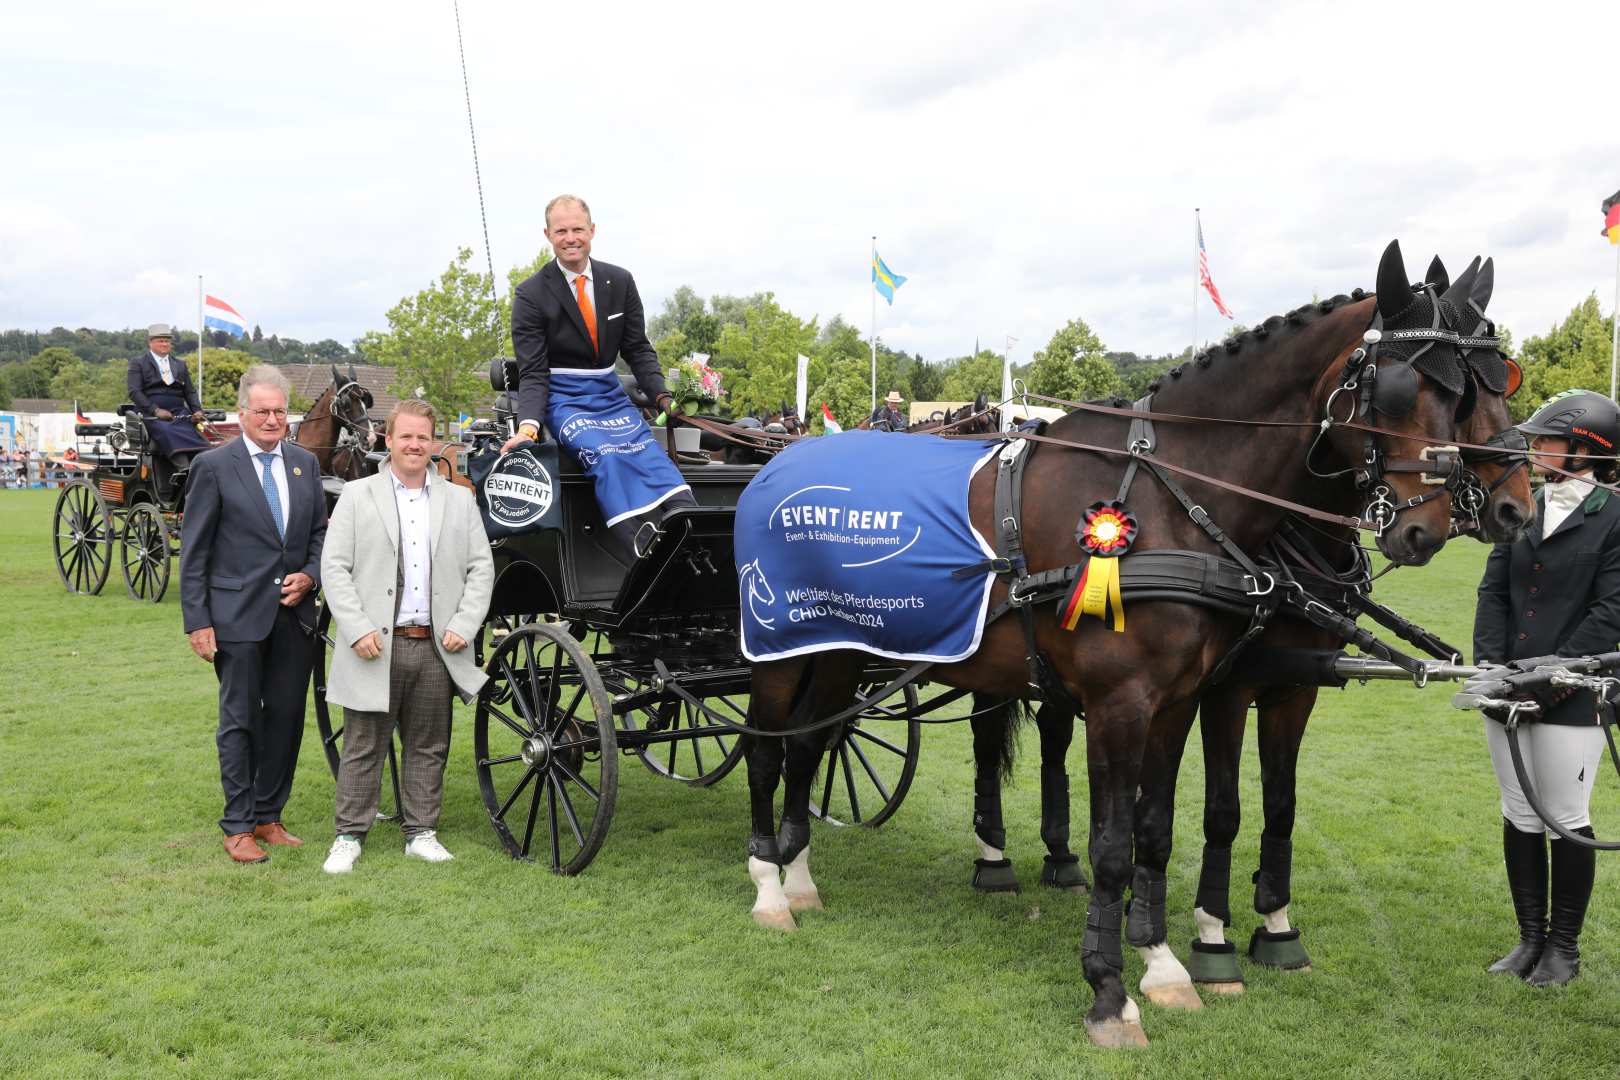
(161, 387)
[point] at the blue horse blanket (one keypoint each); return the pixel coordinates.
(849, 542)
(594, 420)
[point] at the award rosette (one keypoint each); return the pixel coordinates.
(1106, 532)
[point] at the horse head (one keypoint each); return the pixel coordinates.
(1493, 501)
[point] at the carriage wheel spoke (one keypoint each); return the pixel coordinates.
(517, 730)
(826, 791)
(506, 760)
(564, 715)
(877, 781)
(551, 799)
(578, 779)
(337, 734)
(849, 782)
(697, 755)
(534, 812)
(518, 699)
(500, 815)
(568, 811)
(880, 740)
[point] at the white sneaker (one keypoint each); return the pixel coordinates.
(344, 854)
(426, 846)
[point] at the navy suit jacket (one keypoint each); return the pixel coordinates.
(144, 378)
(231, 561)
(549, 332)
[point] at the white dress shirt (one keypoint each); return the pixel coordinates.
(278, 470)
(164, 369)
(589, 274)
(1561, 500)
(414, 553)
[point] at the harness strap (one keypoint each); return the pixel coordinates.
(1141, 439)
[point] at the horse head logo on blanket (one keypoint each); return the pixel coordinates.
(758, 590)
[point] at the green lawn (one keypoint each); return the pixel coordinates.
(132, 947)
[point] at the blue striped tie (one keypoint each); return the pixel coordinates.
(272, 494)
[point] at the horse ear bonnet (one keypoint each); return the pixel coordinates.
(1463, 307)
(1437, 275)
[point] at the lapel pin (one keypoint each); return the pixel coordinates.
(297, 471)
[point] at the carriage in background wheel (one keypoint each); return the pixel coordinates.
(131, 495)
(590, 661)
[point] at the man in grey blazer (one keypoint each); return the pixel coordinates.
(408, 574)
(250, 560)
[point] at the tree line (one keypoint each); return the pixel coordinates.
(442, 338)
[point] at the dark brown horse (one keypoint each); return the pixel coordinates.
(1290, 375)
(338, 430)
(976, 418)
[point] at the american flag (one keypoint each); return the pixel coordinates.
(1203, 272)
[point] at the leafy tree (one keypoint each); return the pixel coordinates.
(222, 372)
(1074, 365)
(927, 382)
(258, 335)
(72, 380)
(1573, 354)
(441, 338)
(760, 355)
(971, 376)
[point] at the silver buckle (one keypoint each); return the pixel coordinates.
(1429, 453)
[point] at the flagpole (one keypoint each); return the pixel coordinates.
(1614, 347)
(200, 388)
(1197, 269)
(874, 323)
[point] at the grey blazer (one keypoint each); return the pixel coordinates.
(231, 560)
(360, 575)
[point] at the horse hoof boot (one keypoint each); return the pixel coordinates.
(1063, 872)
(1116, 1034)
(1279, 950)
(1215, 967)
(1175, 996)
(779, 919)
(798, 902)
(994, 876)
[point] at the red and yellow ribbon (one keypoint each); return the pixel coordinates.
(1106, 532)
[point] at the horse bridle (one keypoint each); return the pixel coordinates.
(352, 434)
(1472, 495)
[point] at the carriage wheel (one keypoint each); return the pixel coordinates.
(143, 549)
(494, 631)
(870, 765)
(699, 760)
(332, 734)
(545, 748)
(83, 538)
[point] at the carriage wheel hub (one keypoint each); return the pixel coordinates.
(537, 750)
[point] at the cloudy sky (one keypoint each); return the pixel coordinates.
(1021, 163)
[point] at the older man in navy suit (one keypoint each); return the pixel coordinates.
(161, 387)
(251, 556)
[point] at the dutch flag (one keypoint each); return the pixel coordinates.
(218, 315)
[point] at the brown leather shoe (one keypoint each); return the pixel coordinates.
(240, 846)
(277, 834)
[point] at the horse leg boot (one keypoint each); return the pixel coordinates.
(992, 739)
(1213, 963)
(1062, 867)
(1276, 944)
(771, 908)
(793, 842)
(1165, 982)
(1525, 855)
(1114, 1020)
(1573, 869)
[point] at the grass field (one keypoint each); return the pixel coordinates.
(130, 946)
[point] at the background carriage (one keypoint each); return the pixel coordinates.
(590, 661)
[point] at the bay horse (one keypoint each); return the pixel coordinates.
(338, 429)
(976, 418)
(1296, 372)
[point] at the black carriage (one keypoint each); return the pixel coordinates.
(131, 495)
(590, 661)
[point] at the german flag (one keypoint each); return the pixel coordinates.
(78, 413)
(1611, 218)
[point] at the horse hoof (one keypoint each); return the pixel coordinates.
(994, 876)
(798, 902)
(1116, 1034)
(1230, 988)
(1064, 873)
(776, 919)
(1279, 950)
(1212, 964)
(1174, 996)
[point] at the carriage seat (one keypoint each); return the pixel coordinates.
(632, 390)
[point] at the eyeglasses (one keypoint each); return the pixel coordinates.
(265, 414)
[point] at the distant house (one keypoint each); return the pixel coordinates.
(311, 381)
(40, 405)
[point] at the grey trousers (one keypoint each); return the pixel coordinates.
(419, 705)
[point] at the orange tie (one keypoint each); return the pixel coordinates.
(585, 310)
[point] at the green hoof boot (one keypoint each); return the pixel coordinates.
(994, 875)
(1278, 950)
(1214, 963)
(1063, 872)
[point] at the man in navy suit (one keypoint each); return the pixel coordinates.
(251, 555)
(161, 387)
(570, 323)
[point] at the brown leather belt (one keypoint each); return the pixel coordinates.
(417, 632)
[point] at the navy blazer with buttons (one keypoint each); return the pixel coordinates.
(1558, 596)
(231, 560)
(548, 332)
(144, 378)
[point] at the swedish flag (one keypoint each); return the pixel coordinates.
(885, 280)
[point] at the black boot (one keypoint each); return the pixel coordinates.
(1573, 868)
(1526, 857)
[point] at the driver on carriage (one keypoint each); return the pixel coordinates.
(570, 322)
(161, 388)
(887, 416)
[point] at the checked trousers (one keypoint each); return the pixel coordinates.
(419, 706)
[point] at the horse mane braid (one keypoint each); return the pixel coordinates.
(1299, 317)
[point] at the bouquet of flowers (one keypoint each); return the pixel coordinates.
(692, 382)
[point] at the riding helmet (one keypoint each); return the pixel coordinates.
(1580, 416)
